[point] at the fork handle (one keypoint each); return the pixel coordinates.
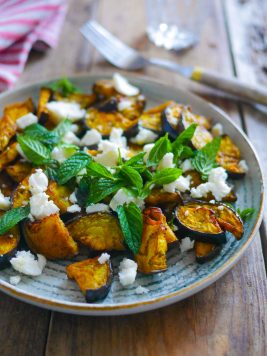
(230, 85)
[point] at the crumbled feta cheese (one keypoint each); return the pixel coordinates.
(141, 290)
(73, 198)
(243, 165)
(212, 201)
(124, 104)
(60, 154)
(108, 158)
(171, 119)
(31, 217)
(25, 262)
(62, 109)
(26, 120)
(41, 207)
(217, 130)
(147, 149)
(221, 207)
(91, 137)
(75, 208)
(74, 128)
(5, 202)
(186, 244)
(127, 271)
(166, 162)
(71, 138)
(103, 258)
(144, 136)
(96, 208)
(124, 196)
(38, 182)
(116, 136)
(122, 85)
(182, 184)
(14, 280)
(187, 165)
(216, 185)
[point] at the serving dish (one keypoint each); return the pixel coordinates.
(184, 277)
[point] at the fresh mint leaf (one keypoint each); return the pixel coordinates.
(13, 217)
(184, 137)
(98, 170)
(34, 150)
(101, 188)
(131, 176)
(160, 148)
(64, 86)
(166, 176)
(82, 191)
(245, 214)
(136, 160)
(72, 166)
(131, 221)
(52, 170)
(62, 128)
(205, 159)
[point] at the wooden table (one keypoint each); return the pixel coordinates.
(229, 317)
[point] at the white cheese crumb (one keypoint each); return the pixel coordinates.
(221, 207)
(75, 208)
(186, 213)
(71, 138)
(124, 196)
(171, 119)
(60, 110)
(5, 202)
(60, 154)
(14, 280)
(38, 182)
(216, 185)
(187, 165)
(74, 128)
(96, 208)
(91, 137)
(186, 244)
(166, 162)
(141, 290)
(25, 262)
(243, 165)
(217, 130)
(41, 207)
(124, 104)
(103, 258)
(122, 85)
(182, 184)
(212, 201)
(26, 120)
(73, 198)
(127, 271)
(144, 136)
(116, 136)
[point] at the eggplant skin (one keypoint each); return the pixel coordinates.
(172, 112)
(156, 235)
(94, 279)
(205, 252)
(8, 246)
(49, 237)
(98, 231)
(199, 222)
(59, 194)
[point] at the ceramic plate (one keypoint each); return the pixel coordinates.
(184, 276)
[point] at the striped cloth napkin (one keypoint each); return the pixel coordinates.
(26, 24)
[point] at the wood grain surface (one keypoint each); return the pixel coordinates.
(229, 317)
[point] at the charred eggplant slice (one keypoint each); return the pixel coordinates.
(105, 121)
(199, 222)
(229, 158)
(8, 245)
(93, 278)
(104, 89)
(8, 155)
(205, 252)
(44, 97)
(49, 237)
(21, 194)
(151, 257)
(170, 118)
(98, 231)
(60, 195)
(19, 170)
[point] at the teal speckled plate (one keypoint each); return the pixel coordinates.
(184, 276)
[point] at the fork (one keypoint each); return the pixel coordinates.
(125, 57)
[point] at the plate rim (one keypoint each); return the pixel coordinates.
(157, 302)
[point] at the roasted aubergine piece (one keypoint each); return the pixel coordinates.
(60, 195)
(50, 238)
(19, 170)
(205, 252)
(8, 245)
(98, 231)
(93, 278)
(8, 155)
(156, 235)
(170, 118)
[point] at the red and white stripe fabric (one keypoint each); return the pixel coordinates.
(26, 24)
